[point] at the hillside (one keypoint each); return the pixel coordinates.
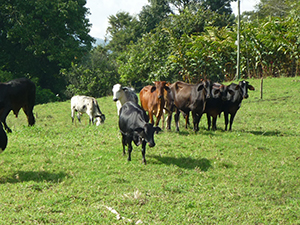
(59, 172)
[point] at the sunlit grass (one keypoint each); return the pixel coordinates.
(59, 172)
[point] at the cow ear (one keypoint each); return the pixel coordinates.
(157, 129)
(231, 92)
(167, 88)
(125, 89)
(250, 87)
(216, 91)
(200, 87)
(153, 89)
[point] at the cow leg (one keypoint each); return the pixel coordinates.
(3, 120)
(123, 144)
(187, 120)
(196, 120)
(169, 119)
(214, 126)
(151, 117)
(208, 121)
(129, 151)
(226, 119)
(163, 120)
(30, 116)
(72, 115)
(231, 120)
(176, 117)
(144, 151)
(78, 117)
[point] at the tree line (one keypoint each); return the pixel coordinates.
(170, 40)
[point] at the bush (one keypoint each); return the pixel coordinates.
(45, 96)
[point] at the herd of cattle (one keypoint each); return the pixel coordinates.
(135, 125)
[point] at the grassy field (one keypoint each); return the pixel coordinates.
(64, 173)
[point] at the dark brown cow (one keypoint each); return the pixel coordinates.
(14, 95)
(152, 100)
(190, 97)
(214, 105)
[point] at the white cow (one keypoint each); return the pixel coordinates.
(89, 105)
(122, 95)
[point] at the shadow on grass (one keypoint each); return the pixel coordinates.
(185, 162)
(24, 176)
(271, 133)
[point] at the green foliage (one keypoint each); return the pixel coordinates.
(45, 96)
(38, 38)
(171, 52)
(57, 172)
(94, 76)
(270, 47)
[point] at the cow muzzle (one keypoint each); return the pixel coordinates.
(151, 144)
(115, 99)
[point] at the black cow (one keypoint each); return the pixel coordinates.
(190, 97)
(214, 105)
(3, 138)
(14, 95)
(134, 126)
(238, 92)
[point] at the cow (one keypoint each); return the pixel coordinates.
(190, 97)
(122, 95)
(3, 139)
(238, 92)
(214, 105)
(14, 95)
(152, 100)
(134, 126)
(89, 105)
(168, 108)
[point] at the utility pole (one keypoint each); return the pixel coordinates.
(238, 43)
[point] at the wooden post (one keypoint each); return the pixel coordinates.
(261, 88)
(238, 44)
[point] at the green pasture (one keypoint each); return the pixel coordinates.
(62, 173)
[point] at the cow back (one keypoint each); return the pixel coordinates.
(131, 117)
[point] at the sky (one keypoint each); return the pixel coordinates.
(100, 10)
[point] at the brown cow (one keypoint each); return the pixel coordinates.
(190, 97)
(152, 100)
(14, 95)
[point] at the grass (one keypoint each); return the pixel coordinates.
(64, 173)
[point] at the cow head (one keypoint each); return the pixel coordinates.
(202, 88)
(146, 133)
(244, 86)
(207, 84)
(160, 86)
(100, 119)
(117, 92)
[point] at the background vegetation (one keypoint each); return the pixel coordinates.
(59, 172)
(170, 40)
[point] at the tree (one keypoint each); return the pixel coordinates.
(38, 38)
(151, 15)
(122, 29)
(94, 75)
